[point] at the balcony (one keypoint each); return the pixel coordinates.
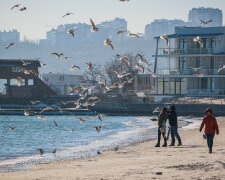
(190, 72)
(189, 51)
(205, 92)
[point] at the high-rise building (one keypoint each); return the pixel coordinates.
(197, 14)
(10, 36)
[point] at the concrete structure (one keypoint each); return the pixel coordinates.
(197, 14)
(60, 83)
(30, 87)
(191, 69)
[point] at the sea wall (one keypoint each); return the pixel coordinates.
(147, 109)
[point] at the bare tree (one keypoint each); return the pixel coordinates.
(120, 66)
(93, 73)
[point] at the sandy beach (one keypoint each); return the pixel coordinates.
(141, 161)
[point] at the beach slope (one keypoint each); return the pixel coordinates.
(141, 161)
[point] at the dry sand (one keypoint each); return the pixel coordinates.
(141, 161)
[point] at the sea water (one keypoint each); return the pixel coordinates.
(71, 138)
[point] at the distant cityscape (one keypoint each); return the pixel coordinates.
(88, 46)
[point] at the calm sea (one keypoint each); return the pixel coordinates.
(71, 138)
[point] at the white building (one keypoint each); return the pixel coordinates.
(60, 83)
(191, 69)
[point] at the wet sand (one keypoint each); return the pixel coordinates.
(141, 161)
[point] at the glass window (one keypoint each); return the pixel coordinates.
(160, 86)
(30, 82)
(166, 86)
(3, 82)
(61, 78)
(183, 86)
(177, 85)
(172, 87)
(213, 43)
(183, 44)
(16, 69)
(15, 82)
(204, 83)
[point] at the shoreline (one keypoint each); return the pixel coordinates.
(33, 167)
(23, 165)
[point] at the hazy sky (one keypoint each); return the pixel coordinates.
(42, 15)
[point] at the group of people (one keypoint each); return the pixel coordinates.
(209, 121)
(172, 116)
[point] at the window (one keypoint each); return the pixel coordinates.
(183, 86)
(14, 82)
(30, 82)
(160, 86)
(3, 82)
(172, 86)
(204, 83)
(166, 85)
(16, 69)
(182, 63)
(183, 44)
(61, 78)
(213, 45)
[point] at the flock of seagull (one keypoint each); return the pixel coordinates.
(126, 78)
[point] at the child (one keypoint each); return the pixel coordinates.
(162, 127)
(211, 127)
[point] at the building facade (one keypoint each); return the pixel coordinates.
(60, 83)
(20, 79)
(10, 36)
(197, 14)
(192, 69)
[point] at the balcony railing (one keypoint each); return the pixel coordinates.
(177, 51)
(190, 72)
(205, 92)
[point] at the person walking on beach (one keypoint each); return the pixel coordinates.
(174, 126)
(211, 126)
(162, 127)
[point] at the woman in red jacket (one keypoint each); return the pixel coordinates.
(211, 126)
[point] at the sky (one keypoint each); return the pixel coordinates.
(43, 15)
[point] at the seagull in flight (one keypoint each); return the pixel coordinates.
(10, 44)
(23, 9)
(71, 31)
(165, 37)
(120, 32)
(195, 69)
(15, 6)
(206, 22)
(221, 68)
(138, 66)
(93, 27)
(74, 67)
(98, 128)
(108, 42)
(121, 75)
(67, 14)
(57, 55)
(199, 40)
(89, 65)
(133, 35)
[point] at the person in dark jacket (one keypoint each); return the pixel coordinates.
(162, 127)
(211, 126)
(174, 126)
